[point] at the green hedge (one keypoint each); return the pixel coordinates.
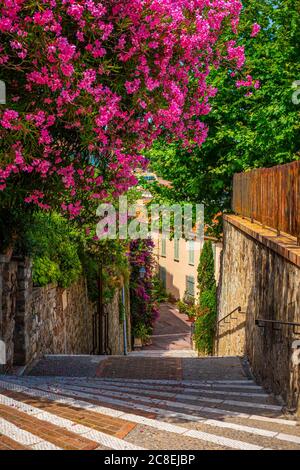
(205, 323)
(206, 320)
(54, 246)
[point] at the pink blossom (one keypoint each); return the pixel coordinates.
(132, 87)
(76, 58)
(244, 83)
(255, 30)
(8, 116)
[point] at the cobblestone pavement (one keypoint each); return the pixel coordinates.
(172, 331)
(159, 398)
(134, 402)
(72, 366)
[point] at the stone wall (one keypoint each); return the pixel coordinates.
(58, 321)
(8, 300)
(266, 285)
(50, 320)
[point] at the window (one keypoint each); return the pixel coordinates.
(190, 286)
(163, 248)
(191, 248)
(163, 276)
(176, 249)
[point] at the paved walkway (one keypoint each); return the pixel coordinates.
(171, 335)
(119, 413)
(142, 402)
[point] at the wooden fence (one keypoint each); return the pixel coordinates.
(270, 196)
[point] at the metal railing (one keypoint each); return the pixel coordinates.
(225, 320)
(270, 196)
(262, 322)
(237, 309)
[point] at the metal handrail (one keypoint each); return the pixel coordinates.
(258, 322)
(237, 309)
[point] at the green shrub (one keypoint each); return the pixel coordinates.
(53, 244)
(70, 265)
(206, 268)
(142, 331)
(205, 322)
(159, 292)
(182, 307)
(207, 308)
(45, 271)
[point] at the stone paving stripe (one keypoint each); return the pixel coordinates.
(240, 384)
(225, 441)
(160, 390)
(185, 389)
(94, 435)
(221, 384)
(8, 444)
(24, 437)
(217, 423)
(241, 427)
(203, 436)
(198, 397)
(286, 422)
(173, 404)
(43, 429)
(103, 423)
(195, 408)
(253, 405)
(43, 446)
(99, 437)
(287, 437)
(240, 404)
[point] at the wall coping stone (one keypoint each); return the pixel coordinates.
(285, 245)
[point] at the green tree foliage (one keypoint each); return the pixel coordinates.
(53, 244)
(245, 130)
(206, 268)
(205, 322)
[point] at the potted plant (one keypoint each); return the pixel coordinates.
(142, 335)
(191, 313)
(182, 307)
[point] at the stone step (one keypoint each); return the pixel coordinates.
(205, 409)
(185, 433)
(238, 385)
(24, 438)
(165, 353)
(184, 394)
(222, 384)
(214, 432)
(46, 422)
(173, 400)
(175, 390)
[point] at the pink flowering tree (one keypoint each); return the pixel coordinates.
(91, 83)
(144, 308)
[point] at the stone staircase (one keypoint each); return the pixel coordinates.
(127, 413)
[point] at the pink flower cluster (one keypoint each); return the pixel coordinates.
(94, 82)
(255, 30)
(248, 82)
(141, 257)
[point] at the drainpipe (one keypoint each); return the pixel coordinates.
(101, 312)
(2, 345)
(124, 321)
